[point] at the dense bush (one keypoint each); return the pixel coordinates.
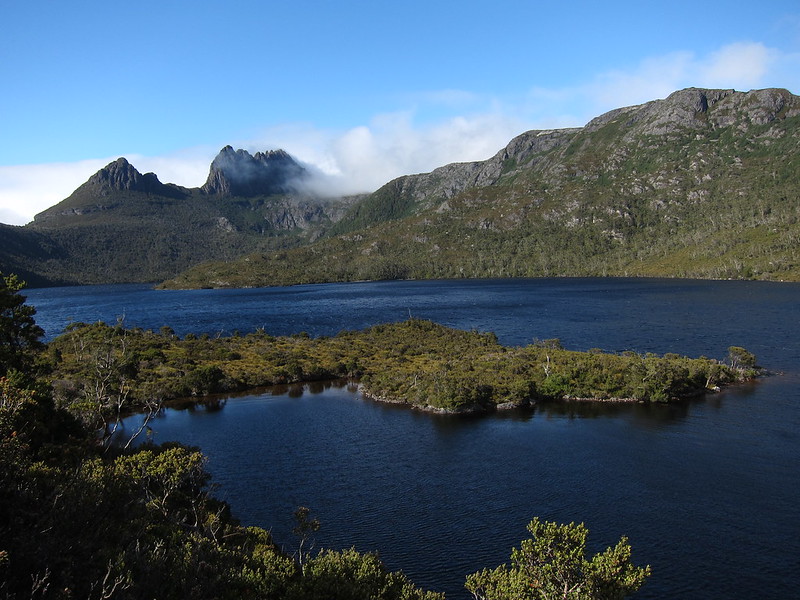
(98, 367)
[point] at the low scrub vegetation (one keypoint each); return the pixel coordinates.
(98, 368)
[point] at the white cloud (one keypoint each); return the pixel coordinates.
(11, 217)
(448, 98)
(363, 158)
(188, 167)
(742, 65)
(653, 77)
(26, 190)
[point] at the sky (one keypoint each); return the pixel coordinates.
(361, 91)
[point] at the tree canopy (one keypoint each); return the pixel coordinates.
(20, 336)
(553, 565)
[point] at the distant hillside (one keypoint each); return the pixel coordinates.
(123, 226)
(702, 184)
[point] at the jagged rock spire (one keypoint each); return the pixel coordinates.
(238, 173)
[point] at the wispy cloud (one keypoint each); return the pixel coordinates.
(363, 158)
(188, 168)
(742, 66)
(26, 190)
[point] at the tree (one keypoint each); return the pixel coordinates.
(304, 530)
(106, 381)
(19, 333)
(553, 564)
(741, 360)
(351, 575)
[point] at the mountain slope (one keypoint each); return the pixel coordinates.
(125, 226)
(701, 184)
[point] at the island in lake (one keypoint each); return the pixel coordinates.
(416, 362)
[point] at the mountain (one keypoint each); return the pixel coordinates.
(700, 184)
(125, 226)
(236, 173)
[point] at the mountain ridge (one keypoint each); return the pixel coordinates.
(124, 226)
(699, 184)
(238, 173)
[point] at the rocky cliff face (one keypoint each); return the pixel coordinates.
(237, 173)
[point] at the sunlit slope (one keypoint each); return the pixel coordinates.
(702, 184)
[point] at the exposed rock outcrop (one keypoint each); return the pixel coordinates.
(238, 173)
(120, 176)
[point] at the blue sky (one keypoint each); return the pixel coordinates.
(365, 91)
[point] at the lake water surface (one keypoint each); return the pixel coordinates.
(707, 491)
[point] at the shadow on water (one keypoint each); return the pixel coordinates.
(215, 402)
(674, 412)
(645, 413)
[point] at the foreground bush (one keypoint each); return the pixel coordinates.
(553, 565)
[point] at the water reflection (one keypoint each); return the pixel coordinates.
(664, 414)
(214, 402)
(646, 414)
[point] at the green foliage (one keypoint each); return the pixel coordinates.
(553, 564)
(389, 203)
(742, 361)
(350, 575)
(19, 333)
(85, 520)
(101, 371)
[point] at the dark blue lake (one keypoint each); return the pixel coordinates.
(707, 491)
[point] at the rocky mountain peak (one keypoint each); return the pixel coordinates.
(122, 176)
(238, 173)
(698, 108)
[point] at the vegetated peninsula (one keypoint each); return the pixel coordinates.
(700, 184)
(416, 362)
